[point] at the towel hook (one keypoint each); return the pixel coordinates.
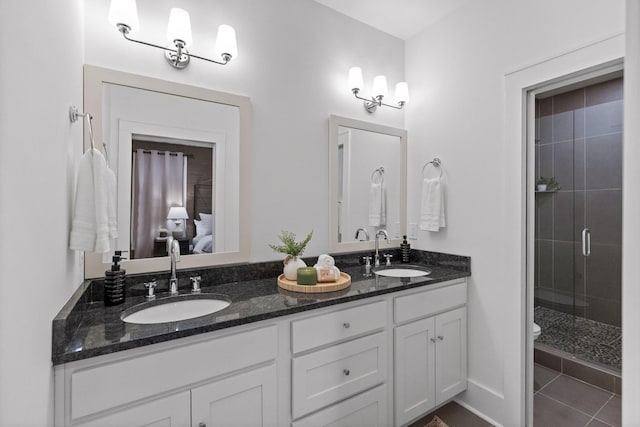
(74, 114)
(380, 171)
(436, 163)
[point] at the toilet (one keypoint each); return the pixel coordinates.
(536, 331)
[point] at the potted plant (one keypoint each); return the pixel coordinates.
(293, 250)
(547, 184)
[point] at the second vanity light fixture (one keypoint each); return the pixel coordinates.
(124, 15)
(379, 91)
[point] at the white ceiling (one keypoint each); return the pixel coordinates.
(401, 18)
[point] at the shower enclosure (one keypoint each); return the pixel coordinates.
(578, 225)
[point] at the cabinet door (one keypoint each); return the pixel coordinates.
(171, 411)
(247, 399)
(414, 369)
(451, 354)
(368, 409)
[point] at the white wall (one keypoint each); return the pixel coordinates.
(293, 61)
(456, 70)
(40, 77)
(631, 213)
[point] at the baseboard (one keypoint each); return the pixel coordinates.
(482, 401)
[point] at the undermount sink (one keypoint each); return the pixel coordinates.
(403, 272)
(174, 309)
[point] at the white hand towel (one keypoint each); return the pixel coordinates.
(377, 205)
(432, 205)
(94, 211)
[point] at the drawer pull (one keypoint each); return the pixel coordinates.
(346, 372)
(440, 338)
(346, 325)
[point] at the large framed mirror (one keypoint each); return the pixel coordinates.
(181, 157)
(367, 184)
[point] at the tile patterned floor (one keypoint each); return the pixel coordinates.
(587, 339)
(560, 400)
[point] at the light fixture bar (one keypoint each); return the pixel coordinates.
(180, 51)
(379, 90)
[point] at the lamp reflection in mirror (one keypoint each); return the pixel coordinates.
(124, 15)
(379, 91)
(178, 214)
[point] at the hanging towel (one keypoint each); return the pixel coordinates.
(432, 205)
(94, 216)
(377, 205)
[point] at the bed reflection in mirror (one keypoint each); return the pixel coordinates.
(183, 209)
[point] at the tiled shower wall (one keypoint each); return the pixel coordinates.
(579, 142)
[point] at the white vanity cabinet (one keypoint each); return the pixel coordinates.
(354, 361)
(430, 354)
(380, 361)
(215, 380)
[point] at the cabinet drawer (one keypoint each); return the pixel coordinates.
(335, 373)
(368, 409)
(426, 303)
(338, 325)
(112, 384)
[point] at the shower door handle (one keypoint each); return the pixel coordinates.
(586, 242)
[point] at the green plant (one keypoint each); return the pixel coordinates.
(290, 246)
(551, 183)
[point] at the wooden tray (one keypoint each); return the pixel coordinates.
(291, 285)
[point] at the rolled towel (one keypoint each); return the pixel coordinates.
(377, 205)
(432, 205)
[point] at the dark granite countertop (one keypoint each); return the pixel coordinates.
(86, 328)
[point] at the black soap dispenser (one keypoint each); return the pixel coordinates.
(405, 251)
(114, 281)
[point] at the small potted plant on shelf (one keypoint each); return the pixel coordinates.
(547, 184)
(293, 250)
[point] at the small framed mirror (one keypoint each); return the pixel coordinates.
(367, 184)
(181, 158)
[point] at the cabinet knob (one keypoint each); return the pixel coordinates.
(346, 325)
(432, 339)
(202, 425)
(346, 372)
(440, 338)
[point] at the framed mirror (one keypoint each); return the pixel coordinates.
(367, 184)
(181, 157)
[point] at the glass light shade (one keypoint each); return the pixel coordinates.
(401, 93)
(226, 41)
(179, 27)
(177, 212)
(124, 12)
(379, 86)
(355, 78)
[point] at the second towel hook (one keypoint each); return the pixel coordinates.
(436, 163)
(380, 171)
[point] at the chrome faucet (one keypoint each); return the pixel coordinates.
(364, 230)
(384, 233)
(173, 249)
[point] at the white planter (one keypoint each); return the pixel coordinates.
(291, 266)
(542, 187)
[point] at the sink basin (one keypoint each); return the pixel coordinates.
(174, 309)
(403, 272)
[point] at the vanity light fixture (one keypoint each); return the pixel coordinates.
(379, 91)
(124, 15)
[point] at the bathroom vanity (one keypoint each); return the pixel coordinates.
(382, 352)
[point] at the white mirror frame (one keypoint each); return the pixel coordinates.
(94, 78)
(334, 123)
